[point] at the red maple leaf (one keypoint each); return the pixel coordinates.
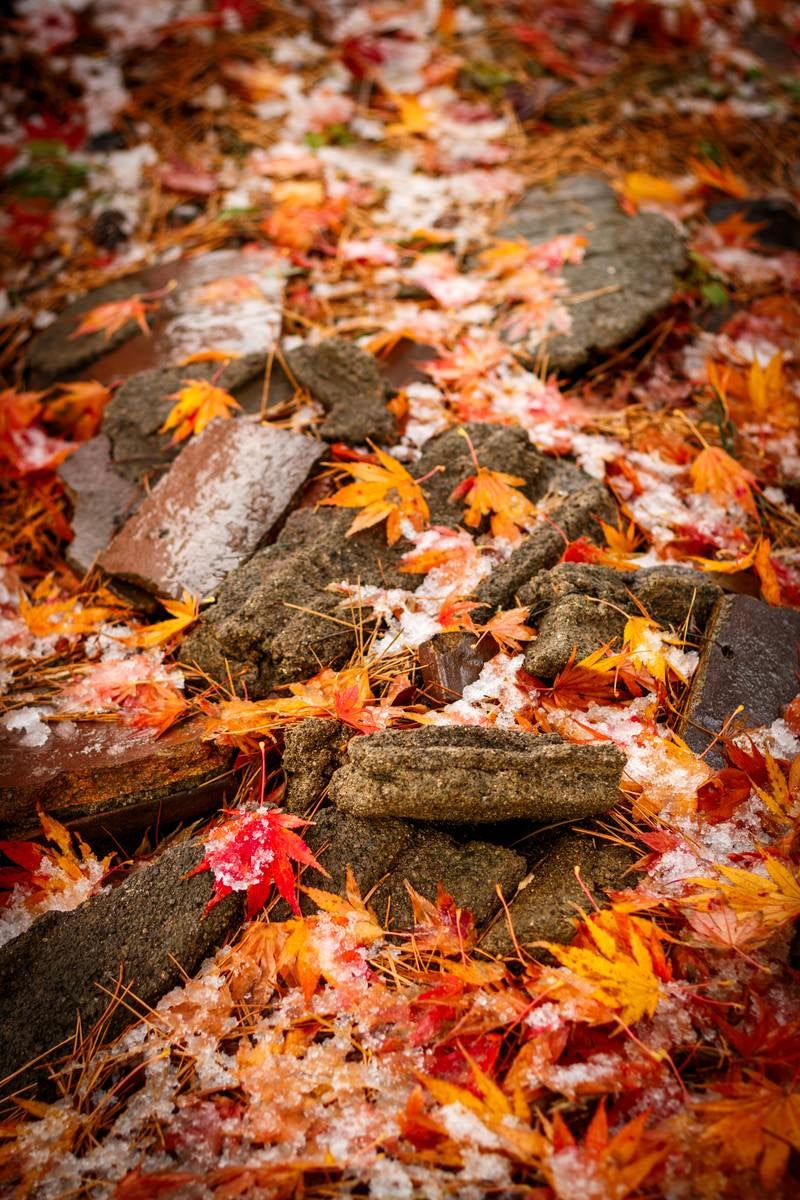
(252, 851)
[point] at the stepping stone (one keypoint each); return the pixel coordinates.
(226, 300)
(101, 500)
(348, 383)
(627, 273)
(546, 907)
(62, 968)
(223, 496)
(97, 774)
(475, 775)
(751, 657)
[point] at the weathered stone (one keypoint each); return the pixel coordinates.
(147, 934)
(312, 751)
(242, 317)
(450, 662)
(576, 517)
(369, 848)
(224, 495)
(545, 909)
(676, 596)
(750, 657)
(88, 771)
(101, 501)
(575, 624)
(347, 382)
(475, 775)
(627, 273)
(569, 579)
(470, 872)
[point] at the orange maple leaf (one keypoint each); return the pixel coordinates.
(639, 187)
(114, 315)
(385, 491)
(723, 178)
(755, 1124)
(197, 403)
(155, 706)
(612, 1167)
(509, 629)
(66, 616)
(773, 897)
(45, 871)
(494, 494)
(764, 568)
(231, 289)
(599, 678)
(715, 472)
(184, 612)
(78, 409)
(415, 117)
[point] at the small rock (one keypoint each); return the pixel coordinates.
(450, 662)
(347, 382)
(576, 625)
(101, 500)
(223, 496)
(475, 775)
(676, 597)
(369, 848)
(569, 579)
(243, 317)
(63, 967)
(312, 751)
(750, 658)
(93, 771)
(627, 273)
(110, 229)
(547, 906)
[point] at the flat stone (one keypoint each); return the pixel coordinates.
(153, 926)
(750, 658)
(547, 907)
(223, 496)
(475, 775)
(629, 262)
(347, 382)
(243, 317)
(311, 753)
(101, 501)
(450, 662)
(98, 771)
(369, 848)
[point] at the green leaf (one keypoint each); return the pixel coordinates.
(714, 293)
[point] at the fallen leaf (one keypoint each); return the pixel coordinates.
(494, 494)
(184, 613)
(114, 315)
(715, 472)
(385, 491)
(755, 1124)
(197, 403)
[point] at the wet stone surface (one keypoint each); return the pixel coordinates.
(475, 776)
(450, 662)
(224, 495)
(547, 907)
(88, 771)
(228, 300)
(751, 657)
(101, 500)
(627, 273)
(146, 932)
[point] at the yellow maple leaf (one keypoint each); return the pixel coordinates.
(385, 491)
(715, 472)
(231, 289)
(68, 616)
(774, 897)
(184, 613)
(639, 187)
(114, 315)
(197, 403)
(648, 647)
(414, 116)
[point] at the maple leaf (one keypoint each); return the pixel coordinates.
(45, 872)
(724, 929)
(252, 851)
(184, 613)
(723, 178)
(774, 897)
(623, 969)
(385, 491)
(231, 289)
(754, 1125)
(765, 569)
(114, 315)
(650, 647)
(78, 409)
(441, 926)
(639, 187)
(65, 616)
(599, 678)
(782, 798)
(414, 116)
(715, 472)
(155, 706)
(210, 355)
(609, 1166)
(509, 629)
(197, 403)
(494, 494)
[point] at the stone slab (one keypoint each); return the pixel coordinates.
(223, 496)
(751, 657)
(149, 931)
(91, 770)
(475, 775)
(101, 501)
(628, 270)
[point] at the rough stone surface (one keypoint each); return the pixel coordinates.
(369, 848)
(269, 624)
(312, 751)
(133, 418)
(636, 256)
(676, 597)
(243, 319)
(347, 382)
(153, 925)
(575, 624)
(101, 500)
(545, 909)
(92, 770)
(450, 662)
(224, 495)
(751, 658)
(475, 775)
